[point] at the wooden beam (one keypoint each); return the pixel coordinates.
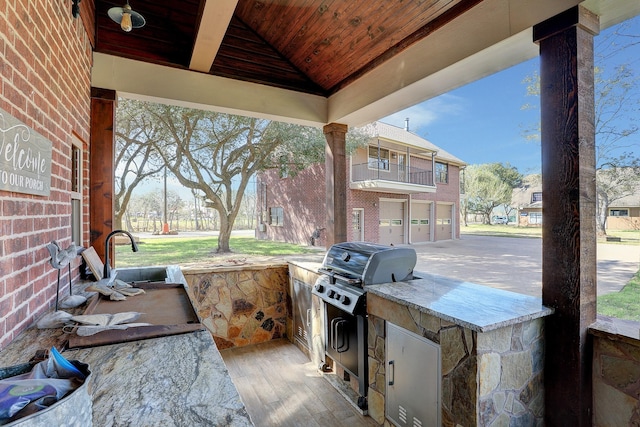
(216, 16)
(336, 182)
(569, 231)
(101, 167)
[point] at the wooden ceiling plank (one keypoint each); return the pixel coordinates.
(372, 47)
(216, 16)
(287, 30)
(369, 48)
(317, 25)
(269, 18)
(417, 36)
(243, 50)
(344, 58)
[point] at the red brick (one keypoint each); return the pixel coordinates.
(22, 225)
(16, 244)
(14, 208)
(16, 316)
(6, 305)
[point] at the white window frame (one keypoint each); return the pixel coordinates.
(379, 162)
(276, 216)
(619, 212)
(76, 178)
(440, 172)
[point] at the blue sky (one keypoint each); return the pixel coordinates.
(483, 122)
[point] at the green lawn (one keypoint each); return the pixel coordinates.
(629, 237)
(624, 304)
(501, 230)
(179, 250)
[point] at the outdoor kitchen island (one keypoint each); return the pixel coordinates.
(176, 380)
(489, 343)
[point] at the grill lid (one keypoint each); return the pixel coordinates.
(369, 263)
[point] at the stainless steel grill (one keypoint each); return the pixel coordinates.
(347, 270)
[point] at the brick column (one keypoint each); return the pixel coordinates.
(101, 167)
(336, 182)
(569, 195)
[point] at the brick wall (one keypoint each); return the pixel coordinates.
(45, 60)
(303, 199)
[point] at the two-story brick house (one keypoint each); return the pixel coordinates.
(401, 189)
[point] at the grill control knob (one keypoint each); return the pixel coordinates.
(345, 300)
(319, 288)
(331, 293)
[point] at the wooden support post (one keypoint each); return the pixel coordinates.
(569, 197)
(101, 167)
(336, 182)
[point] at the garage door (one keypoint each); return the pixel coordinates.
(444, 219)
(420, 222)
(391, 223)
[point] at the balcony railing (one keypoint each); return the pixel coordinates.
(391, 172)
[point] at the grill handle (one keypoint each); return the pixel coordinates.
(334, 332)
(344, 346)
(335, 276)
(392, 372)
(337, 332)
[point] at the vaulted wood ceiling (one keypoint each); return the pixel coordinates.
(316, 61)
(313, 46)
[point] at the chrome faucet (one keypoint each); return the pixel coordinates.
(107, 268)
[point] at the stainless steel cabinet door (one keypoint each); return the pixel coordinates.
(413, 379)
(302, 312)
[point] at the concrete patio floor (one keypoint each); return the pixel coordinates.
(515, 264)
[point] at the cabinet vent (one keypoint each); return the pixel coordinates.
(402, 414)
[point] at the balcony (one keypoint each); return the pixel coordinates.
(391, 178)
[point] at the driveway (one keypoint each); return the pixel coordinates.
(515, 264)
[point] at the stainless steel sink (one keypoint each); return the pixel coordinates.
(165, 306)
(141, 274)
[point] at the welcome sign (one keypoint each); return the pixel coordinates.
(25, 158)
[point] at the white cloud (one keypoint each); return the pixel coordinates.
(428, 112)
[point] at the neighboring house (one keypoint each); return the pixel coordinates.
(624, 213)
(528, 201)
(402, 189)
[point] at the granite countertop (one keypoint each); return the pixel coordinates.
(178, 380)
(476, 307)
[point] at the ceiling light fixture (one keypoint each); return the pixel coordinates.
(127, 18)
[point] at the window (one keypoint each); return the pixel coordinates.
(442, 173)
(276, 216)
(356, 220)
(535, 218)
(378, 158)
(619, 212)
(76, 192)
(536, 197)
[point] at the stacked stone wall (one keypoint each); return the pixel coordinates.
(616, 379)
(488, 378)
(241, 306)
